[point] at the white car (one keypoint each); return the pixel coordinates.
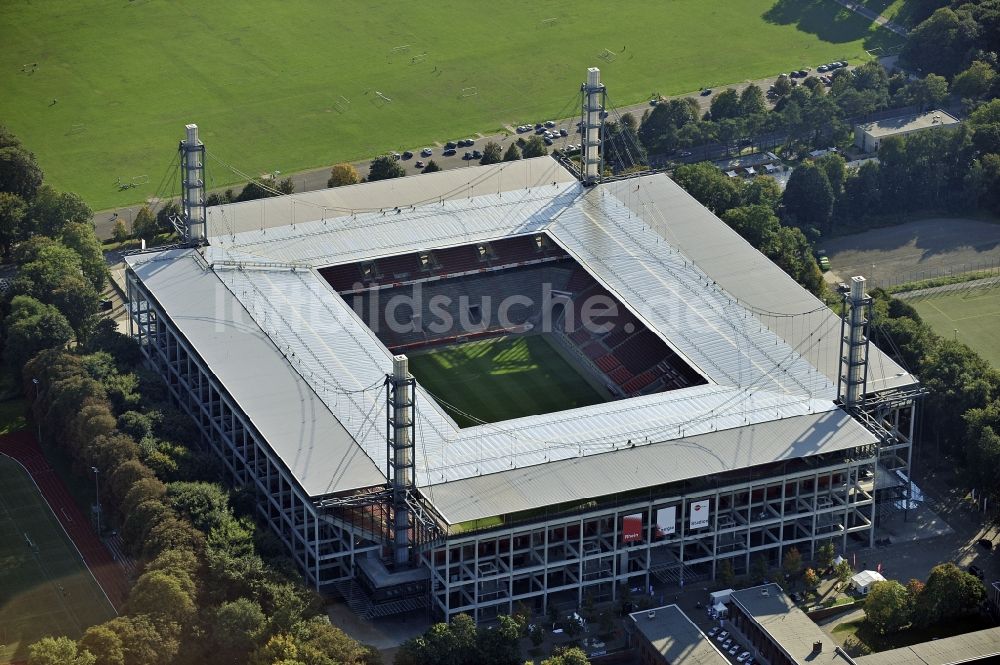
(727, 643)
(743, 656)
(426, 152)
(713, 632)
(735, 649)
(723, 635)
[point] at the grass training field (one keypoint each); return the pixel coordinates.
(974, 312)
(502, 378)
(45, 589)
(296, 84)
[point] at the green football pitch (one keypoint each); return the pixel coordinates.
(973, 312)
(45, 589)
(502, 378)
(101, 89)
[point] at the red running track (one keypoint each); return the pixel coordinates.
(23, 447)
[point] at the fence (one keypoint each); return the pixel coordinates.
(920, 280)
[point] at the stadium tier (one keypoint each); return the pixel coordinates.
(611, 388)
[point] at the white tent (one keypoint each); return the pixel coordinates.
(863, 581)
(839, 560)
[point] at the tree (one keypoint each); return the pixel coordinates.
(12, 213)
(835, 168)
(235, 628)
(32, 326)
(950, 592)
(120, 232)
(58, 651)
(974, 82)
(752, 101)
(491, 153)
(205, 504)
(808, 198)
(726, 104)
(710, 186)
(810, 579)
(80, 237)
(165, 215)
(957, 379)
(983, 446)
(887, 607)
(144, 225)
(105, 644)
(162, 596)
(825, 554)
(343, 174)
(724, 573)
(19, 172)
(567, 656)
(928, 92)
(432, 167)
(791, 563)
(384, 167)
(51, 211)
(782, 86)
(513, 153)
(939, 44)
(142, 642)
(843, 572)
(759, 569)
(534, 147)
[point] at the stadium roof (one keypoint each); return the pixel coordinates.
(676, 637)
(718, 302)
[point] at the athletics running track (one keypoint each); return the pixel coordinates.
(110, 575)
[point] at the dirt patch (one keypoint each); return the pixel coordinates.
(915, 250)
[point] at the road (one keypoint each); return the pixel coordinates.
(314, 179)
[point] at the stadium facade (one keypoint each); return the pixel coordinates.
(740, 416)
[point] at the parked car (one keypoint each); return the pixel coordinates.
(722, 636)
(550, 123)
(419, 164)
(685, 153)
(743, 657)
(407, 155)
(563, 132)
(706, 92)
(822, 68)
(985, 542)
(469, 142)
(727, 643)
(426, 152)
(476, 154)
(450, 145)
(977, 571)
(467, 155)
(735, 649)
(449, 152)
(714, 631)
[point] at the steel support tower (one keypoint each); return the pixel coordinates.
(593, 99)
(192, 153)
(400, 439)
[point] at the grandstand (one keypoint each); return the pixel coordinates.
(722, 431)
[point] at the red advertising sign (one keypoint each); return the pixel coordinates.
(632, 528)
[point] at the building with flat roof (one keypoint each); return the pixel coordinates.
(666, 636)
(720, 431)
(977, 647)
(868, 136)
(779, 631)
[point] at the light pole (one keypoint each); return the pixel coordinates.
(38, 421)
(97, 492)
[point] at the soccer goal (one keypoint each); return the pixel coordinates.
(78, 128)
(471, 91)
(380, 99)
(398, 51)
(548, 22)
(341, 104)
(607, 55)
(417, 59)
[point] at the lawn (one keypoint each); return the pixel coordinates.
(502, 378)
(292, 85)
(974, 312)
(45, 589)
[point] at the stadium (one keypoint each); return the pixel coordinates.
(510, 384)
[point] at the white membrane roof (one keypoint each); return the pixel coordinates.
(641, 238)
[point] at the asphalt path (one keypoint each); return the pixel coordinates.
(314, 179)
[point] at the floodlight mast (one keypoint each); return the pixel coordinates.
(593, 96)
(854, 345)
(401, 422)
(192, 152)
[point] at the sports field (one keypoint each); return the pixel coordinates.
(974, 312)
(101, 89)
(502, 378)
(45, 589)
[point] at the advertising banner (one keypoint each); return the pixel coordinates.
(632, 528)
(666, 521)
(699, 514)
